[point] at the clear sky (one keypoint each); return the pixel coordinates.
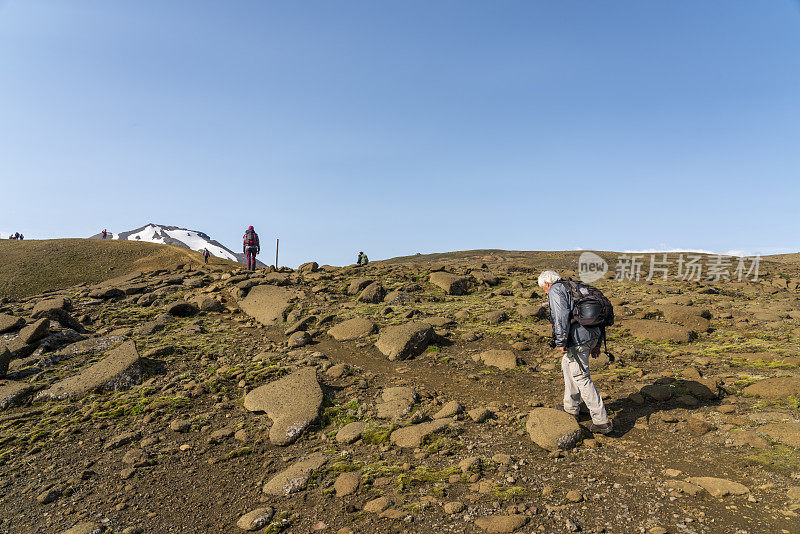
(406, 126)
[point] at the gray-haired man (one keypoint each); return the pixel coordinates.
(576, 342)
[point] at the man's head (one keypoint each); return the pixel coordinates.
(547, 279)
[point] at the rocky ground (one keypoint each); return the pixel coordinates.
(407, 397)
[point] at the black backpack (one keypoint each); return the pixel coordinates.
(590, 308)
(250, 238)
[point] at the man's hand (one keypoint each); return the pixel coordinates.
(562, 349)
(595, 352)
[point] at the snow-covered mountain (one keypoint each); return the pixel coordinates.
(174, 235)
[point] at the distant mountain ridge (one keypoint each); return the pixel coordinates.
(177, 236)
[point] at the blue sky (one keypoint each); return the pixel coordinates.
(404, 127)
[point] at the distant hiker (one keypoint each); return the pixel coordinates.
(251, 247)
(362, 259)
(575, 341)
(206, 254)
(105, 233)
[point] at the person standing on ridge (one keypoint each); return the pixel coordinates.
(362, 259)
(251, 247)
(105, 233)
(206, 253)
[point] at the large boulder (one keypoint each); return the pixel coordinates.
(372, 294)
(107, 293)
(775, 388)
(404, 341)
(499, 524)
(182, 309)
(10, 322)
(502, 359)
(358, 284)
(397, 401)
(308, 267)
(553, 429)
(526, 311)
(11, 391)
(485, 277)
(267, 304)
(292, 402)
(352, 329)
(34, 331)
(657, 392)
(120, 369)
(451, 284)
(52, 310)
(44, 307)
(207, 303)
(719, 487)
(92, 345)
(412, 436)
(294, 477)
(694, 317)
(658, 330)
(786, 433)
(5, 360)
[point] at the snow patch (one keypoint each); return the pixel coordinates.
(195, 242)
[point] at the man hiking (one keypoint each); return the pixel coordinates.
(206, 253)
(251, 247)
(576, 342)
(362, 259)
(105, 233)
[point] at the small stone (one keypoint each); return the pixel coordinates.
(256, 519)
(698, 427)
(48, 496)
(347, 483)
(180, 425)
(85, 528)
(127, 473)
(448, 410)
(350, 432)
(480, 414)
(453, 507)
(574, 496)
(501, 523)
(378, 505)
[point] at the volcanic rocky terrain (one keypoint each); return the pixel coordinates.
(413, 395)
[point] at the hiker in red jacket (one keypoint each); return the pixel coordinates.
(105, 233)
(251, 248)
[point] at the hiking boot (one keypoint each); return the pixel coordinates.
(605, 429)
(560, 408)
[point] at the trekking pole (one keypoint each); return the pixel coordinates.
(277, 242)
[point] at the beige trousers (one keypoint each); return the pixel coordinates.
(578, 383)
